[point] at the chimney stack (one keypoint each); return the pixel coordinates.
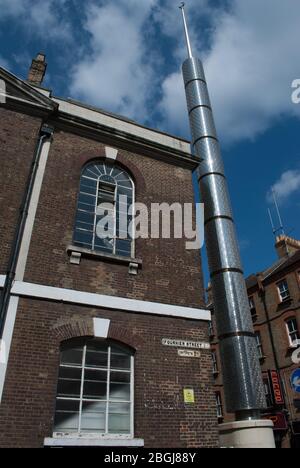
(286, 246)
(37, 70)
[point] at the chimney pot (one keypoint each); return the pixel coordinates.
(37, 70)
(286, 246)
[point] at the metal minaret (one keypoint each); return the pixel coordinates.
(243, 384)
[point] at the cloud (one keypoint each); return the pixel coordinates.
(286, 186)
(42, 18)
(118, 73)
(250, 64)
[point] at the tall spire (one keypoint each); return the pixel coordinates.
(187, 36)
(243, 384)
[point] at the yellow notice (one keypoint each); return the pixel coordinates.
(189, 395)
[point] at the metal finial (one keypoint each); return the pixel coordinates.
(188, 43)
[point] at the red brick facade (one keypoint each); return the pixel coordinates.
(170, 274)
(269, 318)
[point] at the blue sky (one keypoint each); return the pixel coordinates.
(125, 56)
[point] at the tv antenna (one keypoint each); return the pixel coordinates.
(279, 229)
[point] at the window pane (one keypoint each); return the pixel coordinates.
(66, 416)
(93, 417)
(95, 385)
(69, 382)
(123, 247)
(119, 418)
(83, 237)
(120, 361)
(105, 245)
(119, 386)
(96, 356)
(83, 217)
(72, 356)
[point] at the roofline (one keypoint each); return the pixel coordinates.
(119, 117)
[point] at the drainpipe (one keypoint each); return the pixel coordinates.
(46, 132)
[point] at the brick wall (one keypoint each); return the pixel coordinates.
(161, 418)
(170, 273)
(18, 138)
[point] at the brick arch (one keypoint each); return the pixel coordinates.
(76, 327)
(131, 168)
(125, 336)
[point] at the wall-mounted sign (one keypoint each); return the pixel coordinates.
(185, 344)
(279, 421)
(189, 396)
(188, 353)
(276, 388)
(295, 380)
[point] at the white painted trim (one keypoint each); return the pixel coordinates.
(130, 128)
(2, 280)
(101, 327)
(107, 302)
(111, 153)
(23, 256)
(92, 442)
(7, 338)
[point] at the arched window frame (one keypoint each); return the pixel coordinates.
(110, 344)
(92, 246)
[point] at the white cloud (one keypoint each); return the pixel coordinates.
(118, 75)
(250, 65)
(287, 185)
(41, 18)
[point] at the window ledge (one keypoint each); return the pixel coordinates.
(92, 442)
(75, 253)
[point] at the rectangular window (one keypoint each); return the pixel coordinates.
(268, 392)
(284, 291)
(293, 331)
(252, 307)
(95, 391)
(215, 362)
(219, 405)
(211, 330)
(259, 345)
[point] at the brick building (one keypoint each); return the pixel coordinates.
(89, 353)
(274, 297)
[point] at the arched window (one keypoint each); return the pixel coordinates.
(106, 192)
(95, 389)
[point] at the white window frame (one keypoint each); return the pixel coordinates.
(123, 171)
(252, 306)
(259, 345)
(219, 406)
(284, 293)
(292, 331)
(215, 362)
(106, 434)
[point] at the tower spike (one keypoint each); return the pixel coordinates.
(187, 36)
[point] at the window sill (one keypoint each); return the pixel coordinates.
(76, 253)
(92, 442)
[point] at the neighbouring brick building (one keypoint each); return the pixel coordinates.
(274, 297)
(95, 332)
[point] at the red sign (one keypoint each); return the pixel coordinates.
(276, 388)
(279, 421)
